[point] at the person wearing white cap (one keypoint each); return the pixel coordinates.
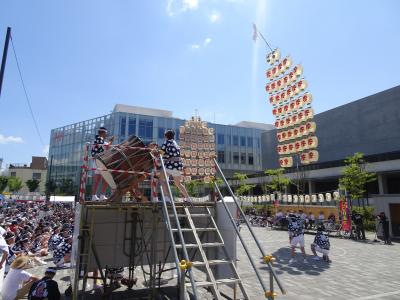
(45, 288)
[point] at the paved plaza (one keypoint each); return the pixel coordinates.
(359, 271)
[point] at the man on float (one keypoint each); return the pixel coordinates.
(173, 164)
(98, 146)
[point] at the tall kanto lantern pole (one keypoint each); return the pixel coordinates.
(291, 106)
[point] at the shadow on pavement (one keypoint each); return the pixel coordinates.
(298, 267)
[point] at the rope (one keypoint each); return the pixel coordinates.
(26, 93)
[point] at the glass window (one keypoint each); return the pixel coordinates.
(146, 129)
(243, 141)
(228, 157)
(228, 140)
(221, 157)
(220, 139)
(258, 142)
(250, 159)
(235, 140)
(132, 126)
(37, 176)
(13, 174)
(249, 141)
(122, 126)
(235, 157)
(243, 158)
(161, 131)
(177, 134)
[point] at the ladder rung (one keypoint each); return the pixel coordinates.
(192, 215)
(211, 262)
(218, 282)
(197, 229)
(204, 245)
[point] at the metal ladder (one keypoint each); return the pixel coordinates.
(268, 259)
(206, 264)
(185, 265)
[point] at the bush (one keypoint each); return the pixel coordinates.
(368, 216)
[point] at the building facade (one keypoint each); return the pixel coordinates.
(370, 125)
(238, 146)
(36, 170)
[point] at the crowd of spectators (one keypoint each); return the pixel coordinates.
(30, 232)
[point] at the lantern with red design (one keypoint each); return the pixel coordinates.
(279, 84)
(297, 146)
(291, 148)
(279, 149)
(277, 124)
(286, 162)
(303, 144)
(281, 123)
(283, 96)
(284, 149)
(298, 70)
(295, 132)
(289, 134)
(313, 156)
(272, 99)
(286, 108)
(274, 111)
(268, 88)
(284, 135)
(279, 136)
(302, 130)
(300, 116)
(312, 142)
(269, 74)
(286, 80)
(311, 127)
(309, 113)
(307, 98)
(280, 110)
(294, 119)
(292, 105)
(288, 122)
(273, 86)
(304, 159)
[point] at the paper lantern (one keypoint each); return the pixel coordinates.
(306, 99)
(268, 198)
(313, 198)
(207, 171)
(308, 114)
(306, 198)
(298, 70)
(304, 158)
(328, 197)
(303, 198)
(321, 198)
(302, 85)
(311, 127)
(264, 198)
(289, 198)
(302, 130)
(287, 62)
(313, 155)
(286, 162)
(312, 142)
(284, 198)
(201, 171)
(213, 171)
(336, 196)
(295, 198)
(272, 196)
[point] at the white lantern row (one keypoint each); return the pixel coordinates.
(298, 146)
(282, 108)
(279, 69)
(314, 198)
(295, 119)
(290, 91)
(300, 131)
(283, 82)
(274, 56)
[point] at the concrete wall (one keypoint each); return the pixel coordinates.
(381, 203)
(370, 125)
(26, 174)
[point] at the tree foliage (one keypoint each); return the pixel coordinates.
(14, 184)
(3, 183)
(32, 184)
(243, 187)
(355, 177)
(66, 187)
(278, 182)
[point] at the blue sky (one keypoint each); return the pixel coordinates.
(80, 58)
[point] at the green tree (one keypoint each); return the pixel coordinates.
(278, 181)
(243, 187)
(32, 184)
(355, 177)
(66, 187)
(14, 184)
(3, 183)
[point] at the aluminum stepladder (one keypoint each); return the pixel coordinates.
(268, 259)
(205, 263)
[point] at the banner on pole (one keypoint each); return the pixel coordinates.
(345, 215)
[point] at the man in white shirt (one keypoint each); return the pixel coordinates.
(3, 259)
(18, 281)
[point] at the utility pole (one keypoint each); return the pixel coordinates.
(3, 61)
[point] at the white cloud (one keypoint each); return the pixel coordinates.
(206, 42)
(175, 7)
(214, 17)
(10, 139)
(45, 150)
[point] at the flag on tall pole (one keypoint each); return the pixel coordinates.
(255, 32)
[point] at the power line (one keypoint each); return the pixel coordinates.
(26, 94)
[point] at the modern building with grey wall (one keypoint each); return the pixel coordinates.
(238, 146)
(370, 125)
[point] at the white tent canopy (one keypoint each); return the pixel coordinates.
(65, 199)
